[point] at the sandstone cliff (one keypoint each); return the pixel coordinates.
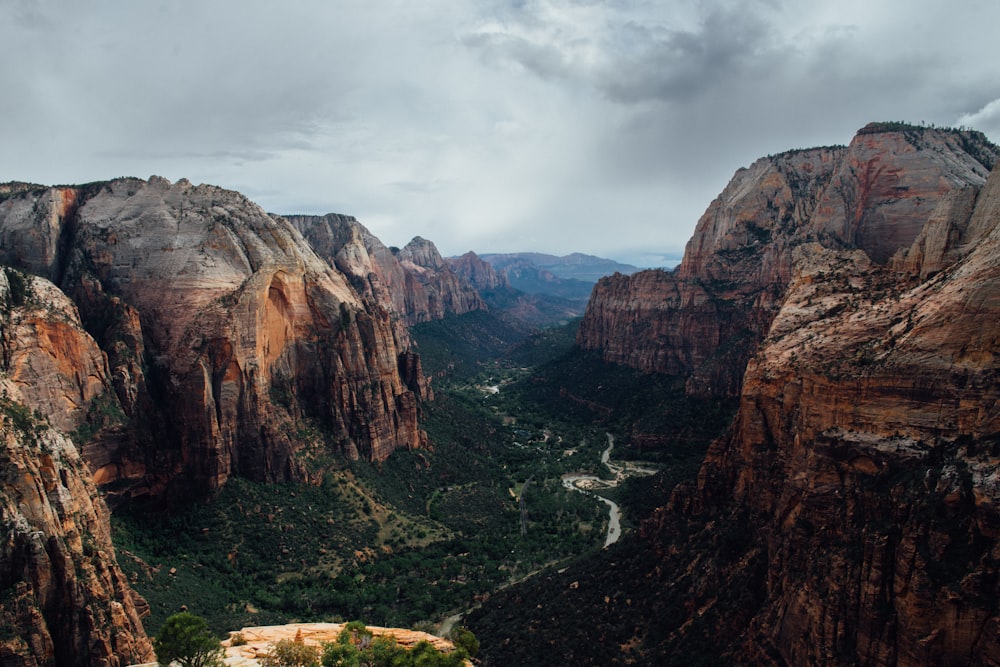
(222, 330)
(65, 600)
(852, 515)
(417, 281)
(900, 194)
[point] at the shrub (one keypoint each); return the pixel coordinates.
(291, 653)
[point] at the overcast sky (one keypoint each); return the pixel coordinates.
(487, 125)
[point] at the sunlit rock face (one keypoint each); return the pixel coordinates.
(903, 196)
(222, 329)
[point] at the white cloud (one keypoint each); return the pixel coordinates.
(986, 119)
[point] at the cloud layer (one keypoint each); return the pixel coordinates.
(549, 125)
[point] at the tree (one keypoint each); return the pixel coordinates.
(464, 639)
(186, 639)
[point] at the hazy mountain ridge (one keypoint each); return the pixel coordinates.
(568, 277)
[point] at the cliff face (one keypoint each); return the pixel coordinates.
(855, 502)
(416, 281)
(479, 273)
(903, 197)
(65, 599)
(887, 524)
(222, 329)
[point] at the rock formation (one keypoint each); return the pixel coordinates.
(222, 330)
(254, 643)
(65, 599)
(852, 513)
(417, 281)
(705, 319)
(479, 273)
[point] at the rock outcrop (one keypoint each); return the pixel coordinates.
(478, 272)
(65, 600)
(416, 280)
(852, 514)
(222, 329)
(901, 194)
(256, 642)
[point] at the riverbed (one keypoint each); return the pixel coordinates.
(589, 484)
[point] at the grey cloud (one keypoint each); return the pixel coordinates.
(679, 64)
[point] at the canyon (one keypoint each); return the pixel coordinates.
(160, 339)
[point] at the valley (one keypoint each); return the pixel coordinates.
(784, 451)
(423, 536)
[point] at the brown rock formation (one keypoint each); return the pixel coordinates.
(901, 195)
(852, 515)
(478, 272)
(222, 328)
(65, 599)
(416, 280)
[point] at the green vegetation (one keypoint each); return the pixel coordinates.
(426, 533)
(356, 646)
(457, 345)
(410, 541)
(21, 290)
(102, 411)
(30, 424)
(186, 640)
(291, 653)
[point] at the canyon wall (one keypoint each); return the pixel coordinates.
(416, 280)
(65, 600)
(852, 513)
(705, 319)
(223, 331)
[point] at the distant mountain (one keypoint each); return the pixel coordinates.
(575, 266)
(569, 277)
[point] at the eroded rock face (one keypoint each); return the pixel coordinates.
(66, 601)
(417, 282)
(856, 499)
(904, 197)
(222, 329)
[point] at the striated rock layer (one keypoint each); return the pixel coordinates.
(902, 195)
(852, 514)
(65, 601)
(222, 330)
(419, 284)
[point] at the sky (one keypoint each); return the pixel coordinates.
(552, 126)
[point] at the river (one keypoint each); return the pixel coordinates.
(590, 483)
